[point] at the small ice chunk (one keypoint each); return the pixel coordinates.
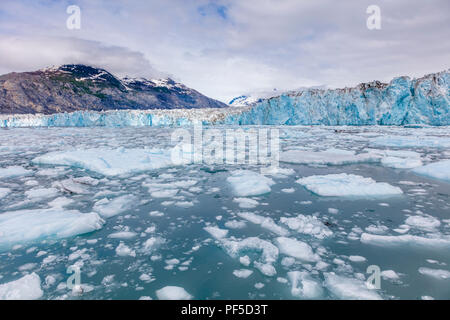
(242, 273)
(123, 235)
(41, 193)
(401, 163)
(216, 232)
(248, 183)
(304, 286)
(423, 222)
(264, 222)
(13, 171)
(245, 260)
(437, 170)
(327, 157)
(109, 208)
(347, 185)
(306, 224)
(389, 275)
(288, 190)
(348, 288)
(405, 240)
(123, 250)
(25, 288)
(333, 210)
(246, 203)
(235, 224)
(296, 249)
(435, 273)
(357, 259)
(173, 293)
(4, 192)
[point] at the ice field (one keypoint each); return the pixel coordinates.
(110, 202)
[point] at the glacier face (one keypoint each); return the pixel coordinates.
(403, 101)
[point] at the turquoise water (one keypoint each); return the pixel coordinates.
(206, 268)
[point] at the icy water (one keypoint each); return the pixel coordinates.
(148, 230)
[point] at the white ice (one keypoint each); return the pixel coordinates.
(304, 286)
(307, 225)
(296, 249)
(248, 183)
(173, 293)
(437, 170)
(327, 157)
(26, 288)
(347, 185)
(109, 208)
(348, 288)
(13, 171)
(110, 162)
(32, 225)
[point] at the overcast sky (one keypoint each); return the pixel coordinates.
(226, 48)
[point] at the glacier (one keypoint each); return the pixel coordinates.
(403, 101)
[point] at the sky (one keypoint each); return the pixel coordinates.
(226, 48)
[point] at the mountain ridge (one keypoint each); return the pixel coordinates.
(75, 87)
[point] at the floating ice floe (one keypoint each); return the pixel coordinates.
(435, 273)
(245, 203)
(173, 293)
(109, 208)
(348, 288)
(25, 288)
(348, 185)
(398, 159)
(307, 225)
(124, 251)
(41, 193)
(423, 222)
(13, 172)
(304, 286)
(24, 226)
(110, 162)
(268, 252)
(327, 157)
(264, 222)
(248, 183)
(122, 235)
(216, 232)
(242, 273)
(411, 141)
(296, 249)
(438, 170)
(406, 240)
(4, 192)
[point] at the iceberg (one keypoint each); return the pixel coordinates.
(348, 185)
(110, 162)
(349, 288)
(327, 157)
(173, 293)
(296, 249)
(248, 183)
(25, 288)
(18, 227)
(437, 170)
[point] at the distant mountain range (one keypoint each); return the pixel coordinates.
(77, 87)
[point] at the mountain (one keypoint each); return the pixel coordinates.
(425, 100)
(78, 87)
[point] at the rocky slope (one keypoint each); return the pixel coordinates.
(78, 88)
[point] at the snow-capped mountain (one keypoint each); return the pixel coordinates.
(73, 87)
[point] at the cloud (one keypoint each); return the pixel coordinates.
(29, 54)
(227, 47)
